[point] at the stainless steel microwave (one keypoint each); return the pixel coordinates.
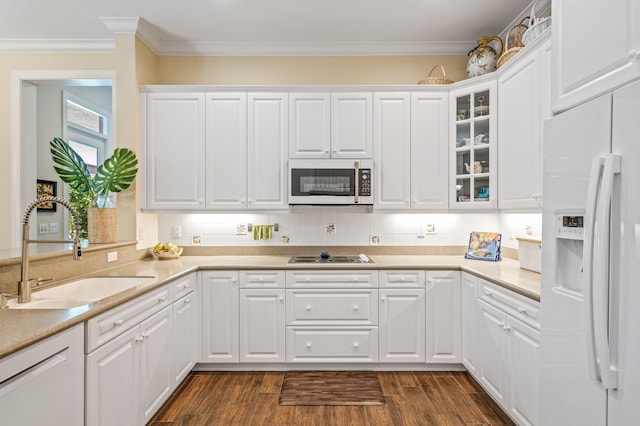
(330, 182)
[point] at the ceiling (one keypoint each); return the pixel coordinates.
(258, 27)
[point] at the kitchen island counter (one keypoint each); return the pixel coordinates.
(20, 328)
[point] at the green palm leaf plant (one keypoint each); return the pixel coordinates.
(114, 175)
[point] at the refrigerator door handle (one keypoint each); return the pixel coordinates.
(600, 279)
(587, 264)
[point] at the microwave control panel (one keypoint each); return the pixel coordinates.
(364, 182)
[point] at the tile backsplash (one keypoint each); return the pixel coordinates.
(322, 226)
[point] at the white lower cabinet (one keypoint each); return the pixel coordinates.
(185, 336)
(509, 351)
(43, 383)
(133, 352)
(332, 316)
(471, 318)
(402, 316)
(443, 317)
(220, 316)
(262, 316)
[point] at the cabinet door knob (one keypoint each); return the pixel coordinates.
(522, 310)
(308, 344)
(355, 307)
(139, 339)
(162, 299)
(308, 307)
(118, 323)
(187, 300)
(355, 345)
(488, 293)
(382, 298)
(501, 324)
(281, 298)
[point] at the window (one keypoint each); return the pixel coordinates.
(87, 129)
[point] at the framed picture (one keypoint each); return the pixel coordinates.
(484, 246)
(46, 188)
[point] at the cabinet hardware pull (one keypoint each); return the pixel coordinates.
(139, 339)
(187, 300)
(162, 299)
(118, 323)
(522, 310)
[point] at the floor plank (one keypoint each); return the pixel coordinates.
(251, 398)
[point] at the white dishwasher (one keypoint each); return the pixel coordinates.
(43, 384)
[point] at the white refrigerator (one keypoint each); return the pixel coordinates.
(590, 297)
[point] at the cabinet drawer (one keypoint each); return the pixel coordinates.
(116, 321)
(183, 286)
(262, 279)
(520, 307)
(402, 279)
(332, 344)
(332, 307)
(332, 279)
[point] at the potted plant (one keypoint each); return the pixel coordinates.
(115, 174)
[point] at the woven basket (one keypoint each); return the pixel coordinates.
(515, 45)
(436, 80)
(536, 26)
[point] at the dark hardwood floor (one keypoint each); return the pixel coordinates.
(251, 398)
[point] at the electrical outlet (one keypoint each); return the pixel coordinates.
(241, 229)
(176, 231)
(112, 256)
(53, 228)
(43, 228)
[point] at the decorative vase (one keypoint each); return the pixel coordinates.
(102, 225)
(482, 59)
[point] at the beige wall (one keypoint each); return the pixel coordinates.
(292, 70)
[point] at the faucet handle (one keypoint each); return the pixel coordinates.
(77, 249)
(39, 280)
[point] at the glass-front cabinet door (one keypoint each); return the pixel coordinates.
(473, 143)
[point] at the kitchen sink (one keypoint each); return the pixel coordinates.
(80, 292)
(330, 259)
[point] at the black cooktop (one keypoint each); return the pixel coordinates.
(330, 259)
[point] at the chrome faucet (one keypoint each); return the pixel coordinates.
(24, 286)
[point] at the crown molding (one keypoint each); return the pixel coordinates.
(57, 45)
(121, 25)
(150, 36)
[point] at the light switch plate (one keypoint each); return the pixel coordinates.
(53, 228)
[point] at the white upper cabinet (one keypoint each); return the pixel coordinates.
(226, 150)
(522, 92)
(351, 125)
(330, 125)
(392, 150)
(429, 151)
(267, 150)
(309, 125)
(473, 145)
(174, 132)
(596, 47)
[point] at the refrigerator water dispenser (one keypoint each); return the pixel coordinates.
(569, 245)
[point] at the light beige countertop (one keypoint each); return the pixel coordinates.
(20, 328)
